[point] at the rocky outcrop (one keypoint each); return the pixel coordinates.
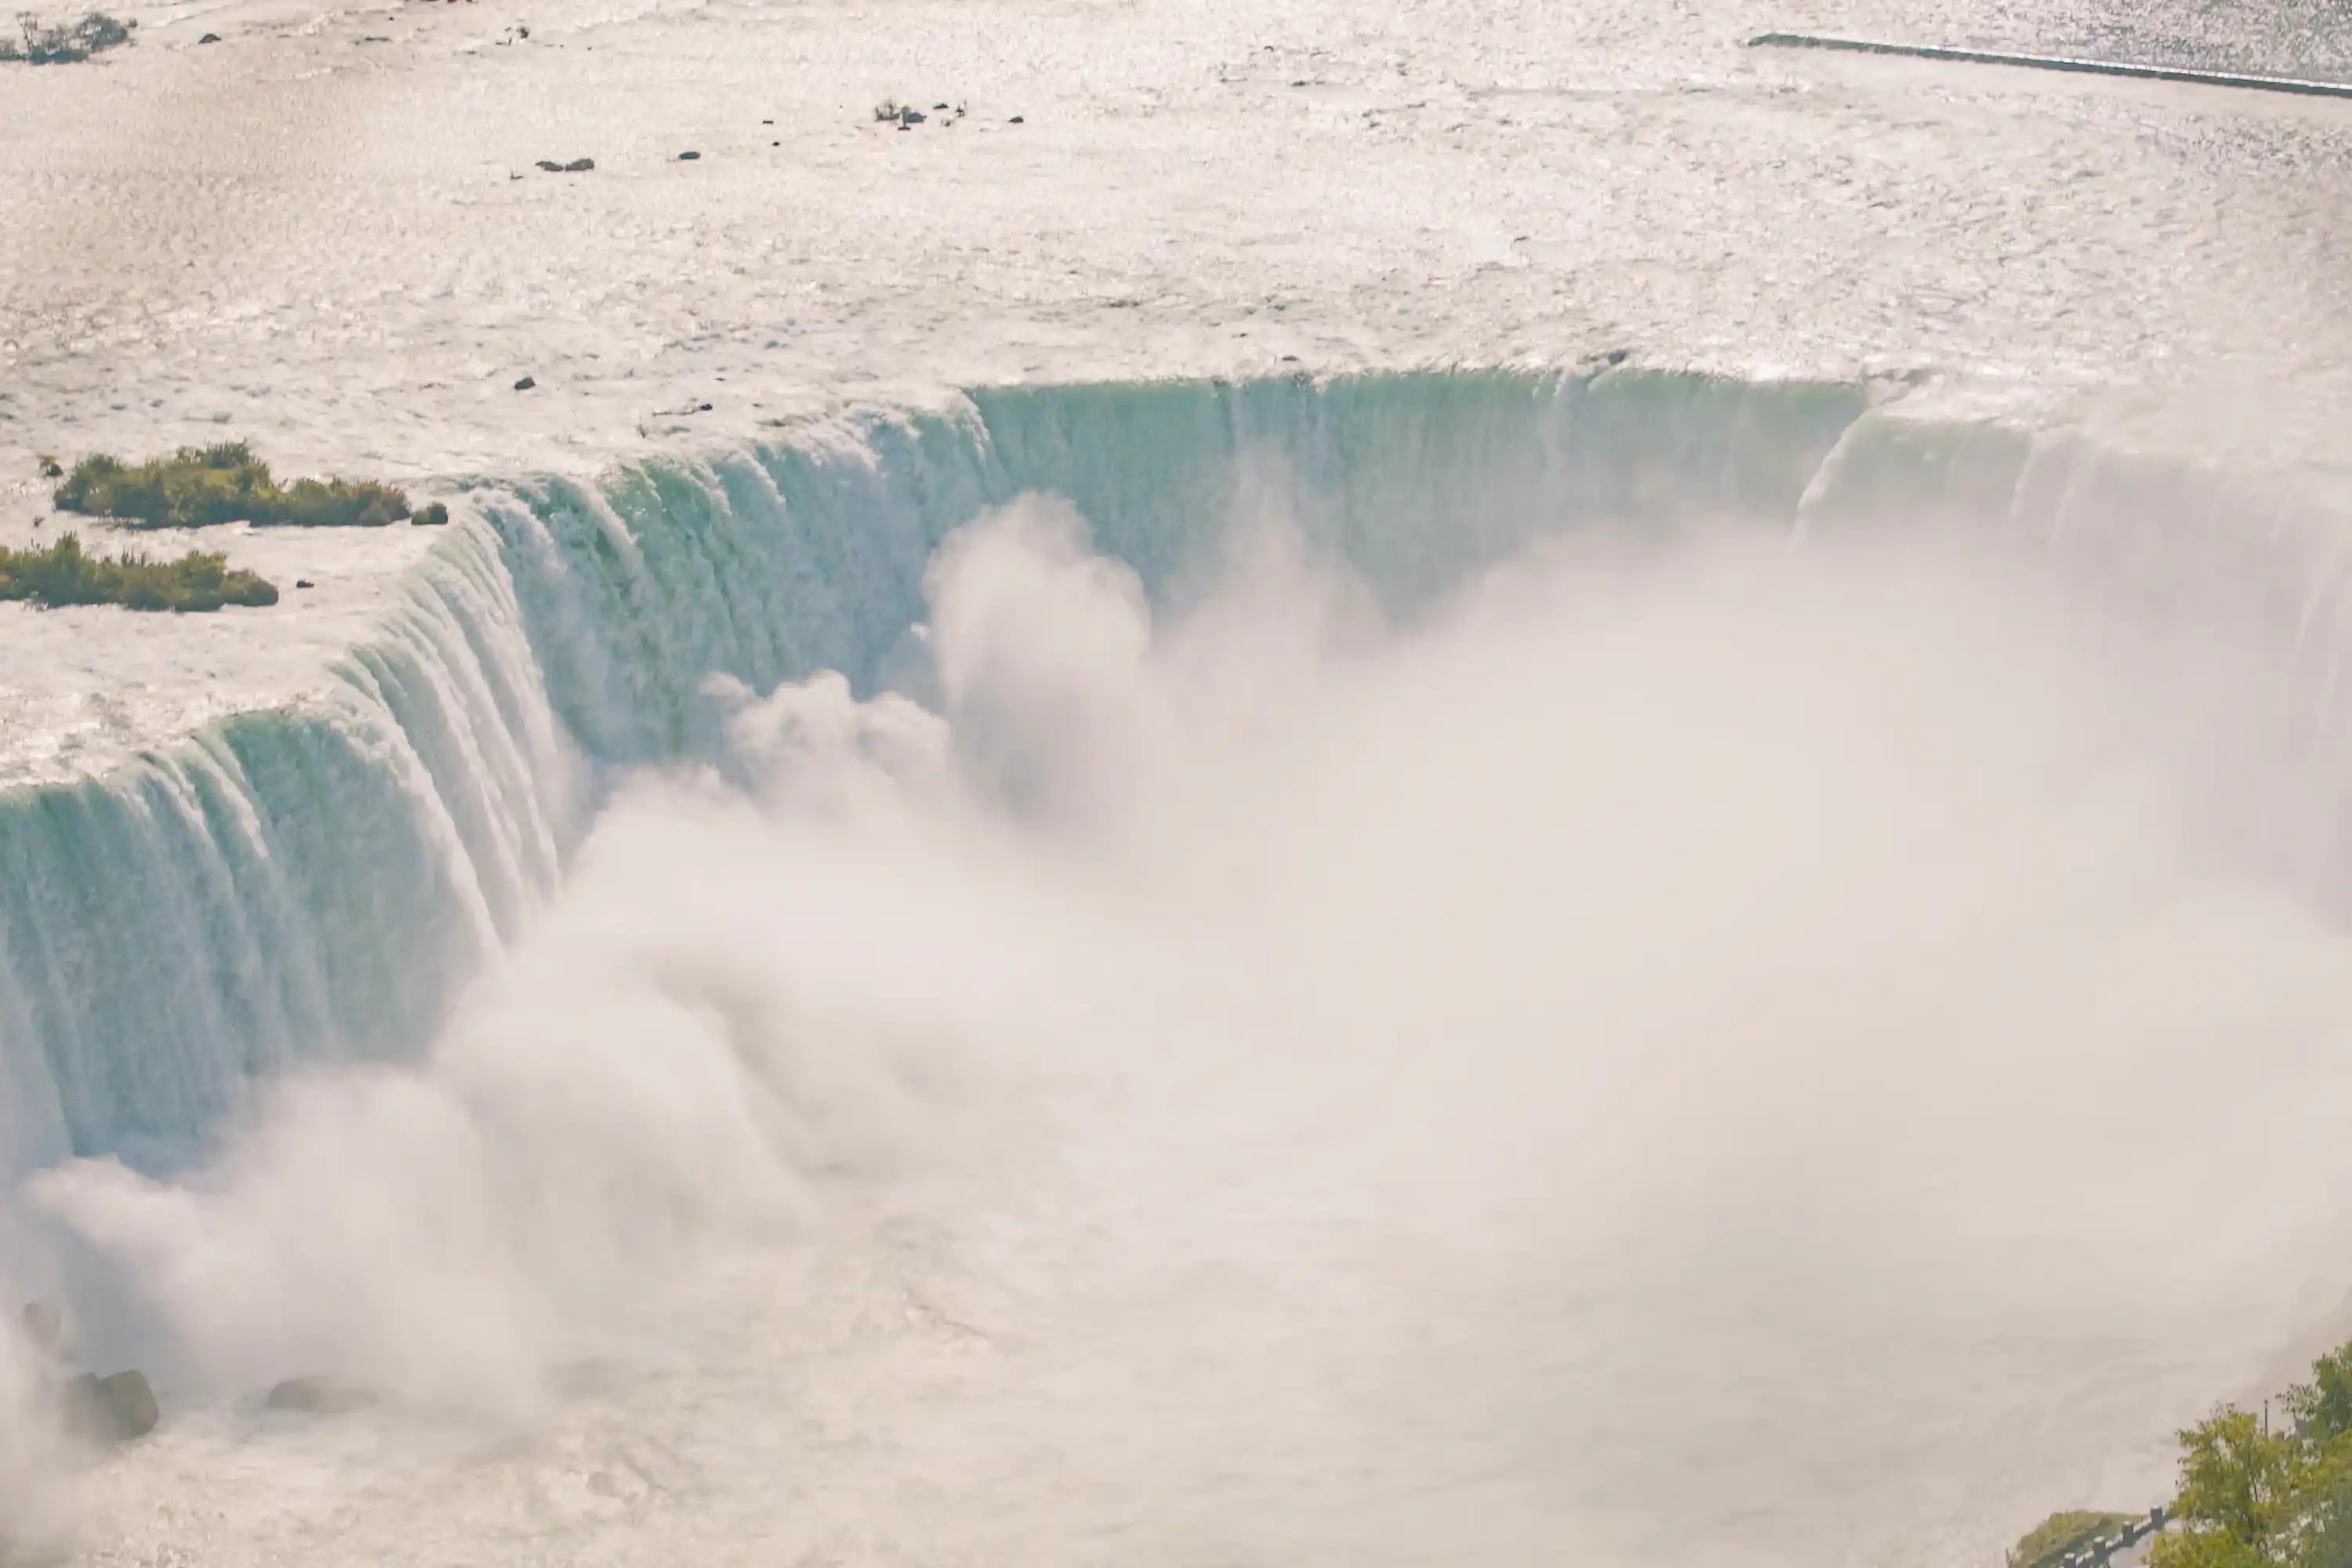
(117, 1409)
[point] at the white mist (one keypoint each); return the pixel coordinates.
(1707, 1054)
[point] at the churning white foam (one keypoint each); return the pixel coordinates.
(1685, 1053)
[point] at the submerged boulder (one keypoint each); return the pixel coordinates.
(116, 1409)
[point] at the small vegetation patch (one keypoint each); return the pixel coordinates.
(65, 575)
(64, 43)
(2048, 1542)
(197, 485)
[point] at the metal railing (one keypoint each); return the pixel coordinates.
(2100, 1549)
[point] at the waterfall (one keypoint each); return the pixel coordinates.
(312, 884)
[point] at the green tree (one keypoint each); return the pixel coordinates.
(2323, 1539)
(2241, 1487)
(2323, 1407)
(2253, 1497)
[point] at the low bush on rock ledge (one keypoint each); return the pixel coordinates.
(65, 575)
(197, 485)
(2057, 1537)
(64, 43)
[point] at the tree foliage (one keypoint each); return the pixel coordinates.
(2253, 1497)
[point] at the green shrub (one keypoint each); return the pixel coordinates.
(197, 485)
(336, 503)
(64, 43)
(2048, 1544)
(66, 574)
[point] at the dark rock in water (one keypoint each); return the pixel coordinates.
(304, 583)
(433, 515)
(1018, 120)
(209, 38)
(525, 384)
(318, 1396)
(688, 157)
(577, 165)
(912, 117)
(115, 1409)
